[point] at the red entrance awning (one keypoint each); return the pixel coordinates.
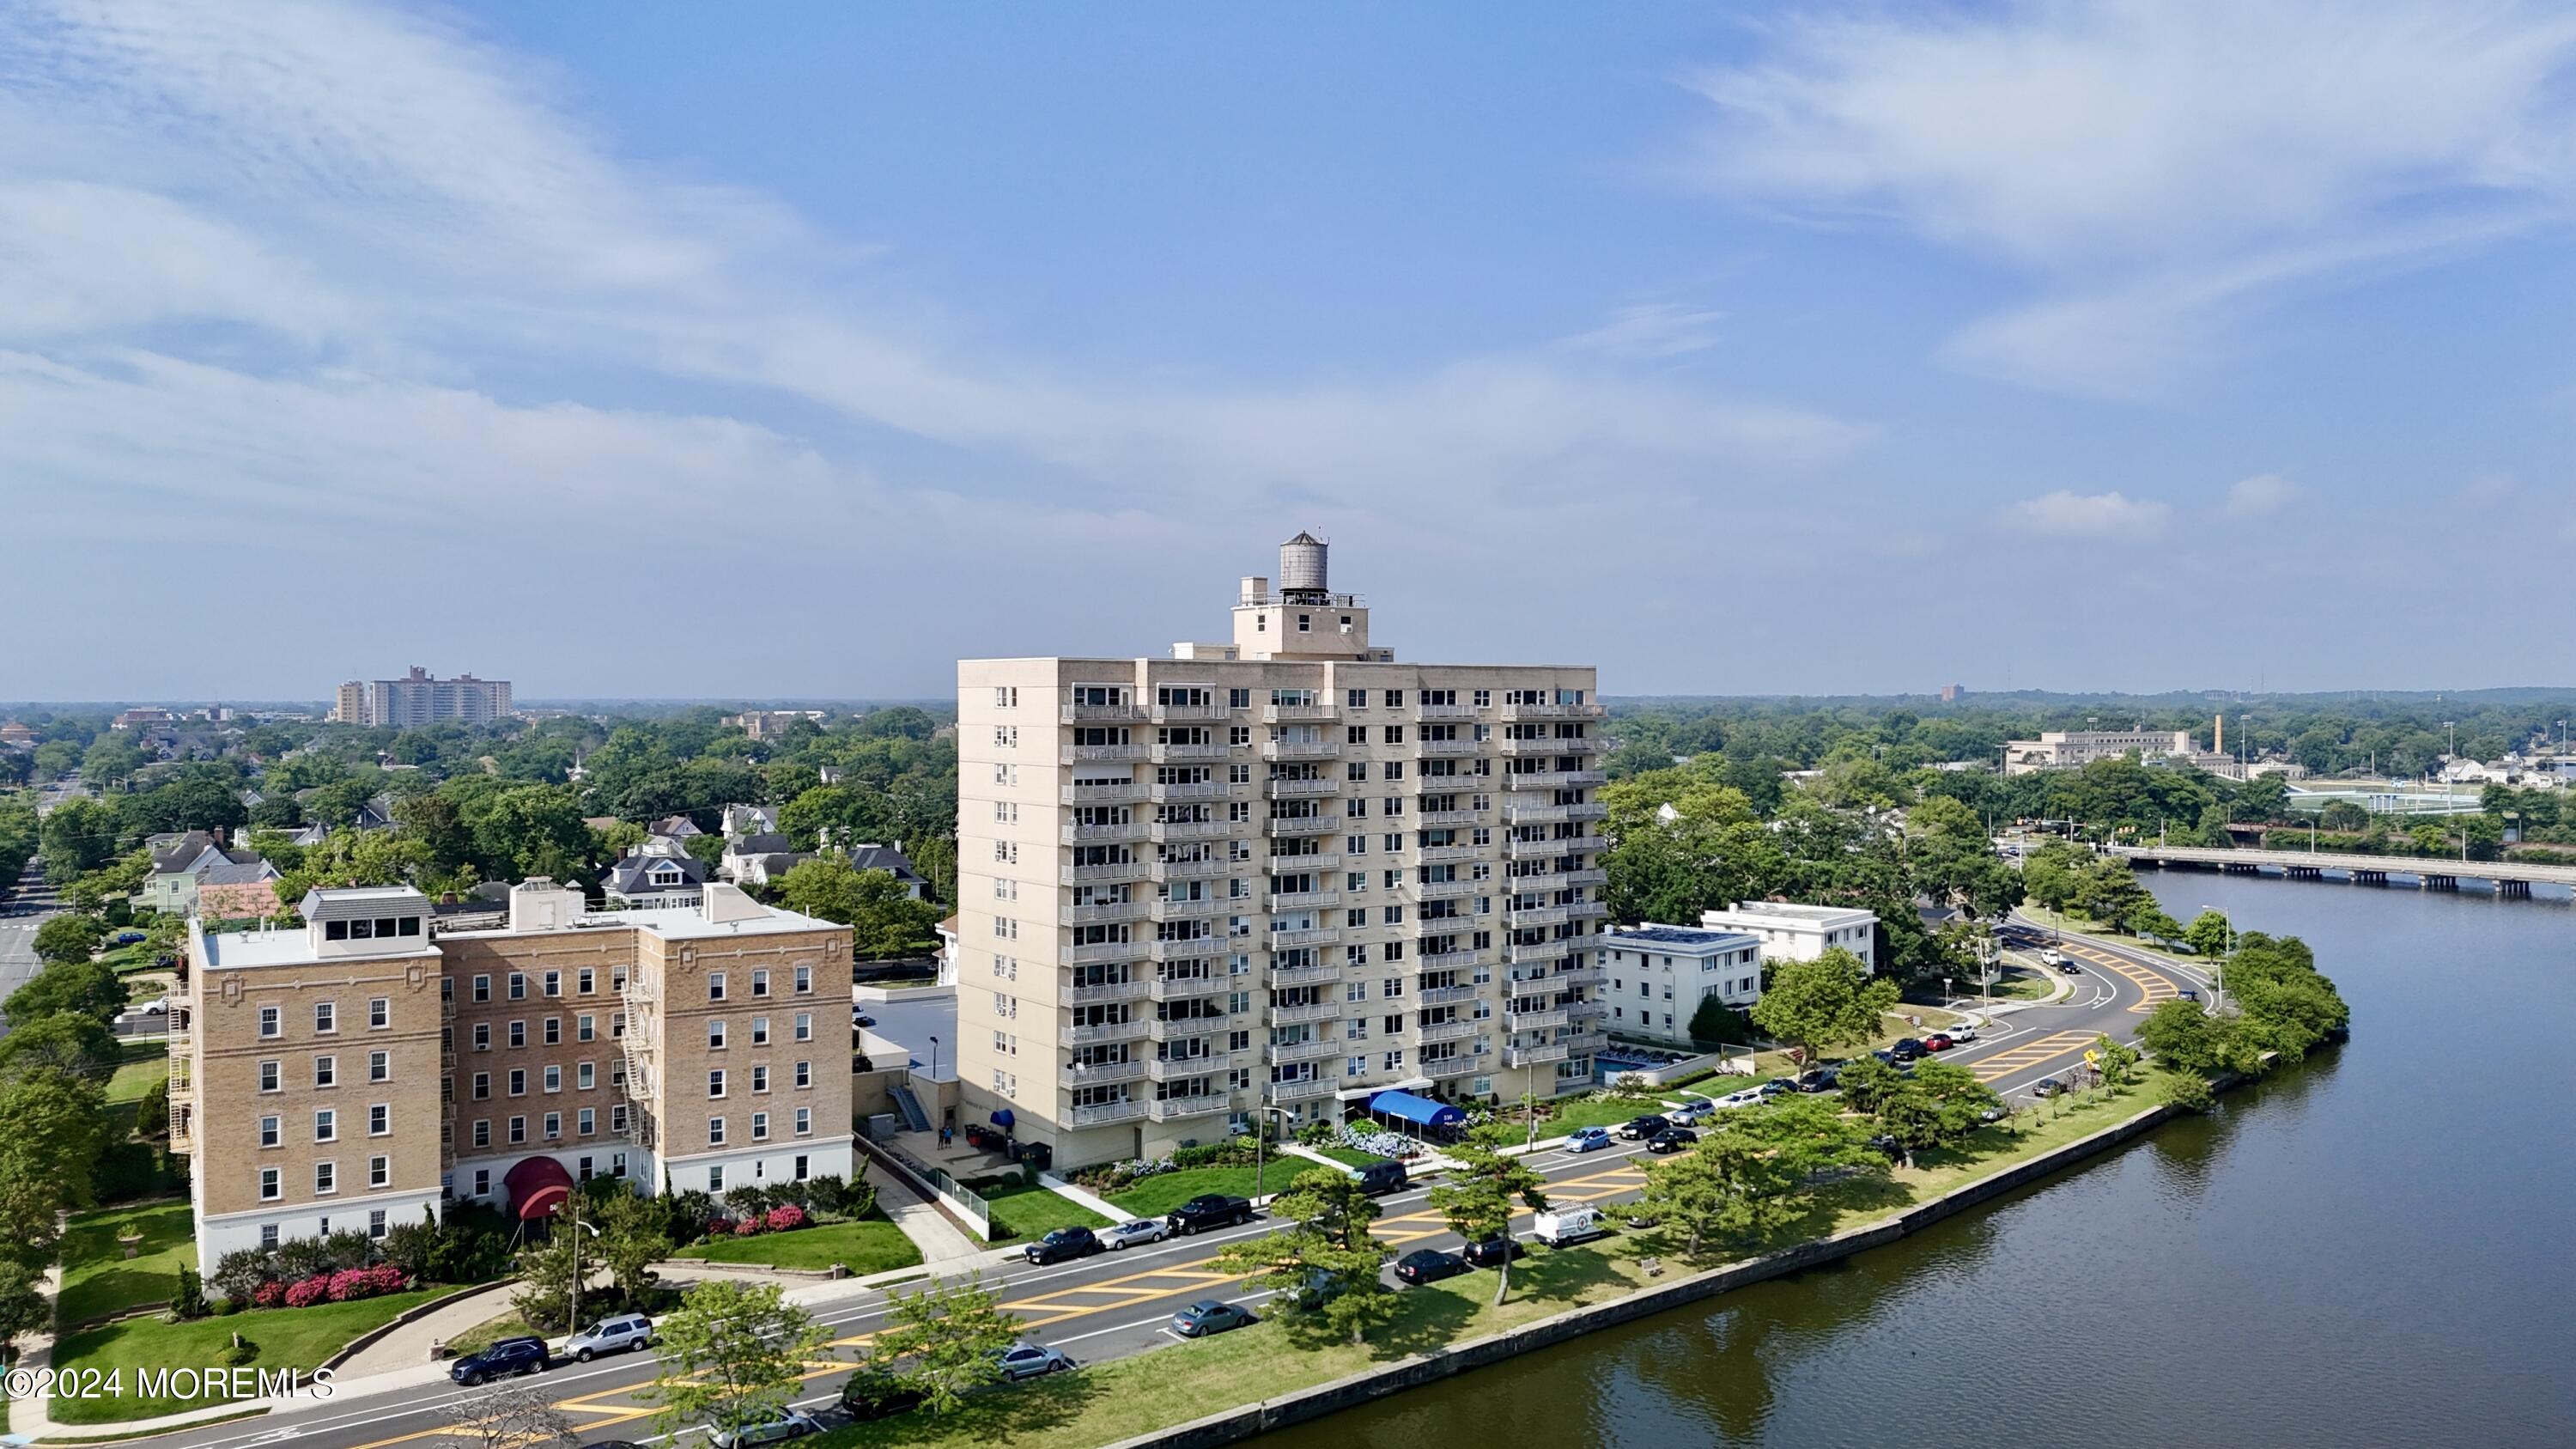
(538, 1188)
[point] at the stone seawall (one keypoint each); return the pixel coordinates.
(1244, 1421)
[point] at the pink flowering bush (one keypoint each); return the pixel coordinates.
(268, 1294)
(748, 1227)
(354, 1283)
(309, 1292)
(782, 1218)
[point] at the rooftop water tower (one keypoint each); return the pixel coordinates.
(1302, 569)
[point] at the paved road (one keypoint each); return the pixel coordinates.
(1120, 1303)
(18, 932)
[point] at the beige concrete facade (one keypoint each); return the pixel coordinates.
(356, 1072)
(1282, 872)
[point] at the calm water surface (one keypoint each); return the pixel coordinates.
(2377, 1248)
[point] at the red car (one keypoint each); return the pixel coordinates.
(1938, 1042)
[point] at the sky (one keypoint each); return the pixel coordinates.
(798, 350)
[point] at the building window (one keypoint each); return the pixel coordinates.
(554, 1079)
(804, 1128)
(715, 1179)
(380, 1173)
(482, 1086)
(716, 1083)
(482, 1182)
(554, 1031)
(518, 1081)
(715, 1132)
(376, 1219)
(715, 986)
(380, 1119)
(482, 1036)
(800, 1167)
(380, 1013)
(804, 1074)
(268, 1022)
(585, 1075)
(715, 1036)
(326, 1071)
(586, 980)
(482, 1136)
(585, 1028)
(804, 1026)
(554, 983)
(380, 1066)
(587, 1120)
(759, 982)
(760, 1031)
(554, 1126)
(326, 1178)
(269, 1077)
(518, 1035)
(617, 1119)
(759, 1126)
(268, 1235)
(760, 1079)
(269, 1190)
(268, 1131)
(482, 988)
(804, 980)
(518, 1129)
(518, 986)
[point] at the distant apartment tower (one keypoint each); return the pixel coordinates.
(1284, 871)
(419, 698)
(1950, 693)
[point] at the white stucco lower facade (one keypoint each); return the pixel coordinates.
(480, 1177)
(763, 1163)
(372, 1213)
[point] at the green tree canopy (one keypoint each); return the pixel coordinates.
(1829, 1002)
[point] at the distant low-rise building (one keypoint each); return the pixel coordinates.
(759, 859)
(1660, 974)
(2074, 749)
(641, 881)
(140, 719)
(767, 724)
(185, 863)
(1791, 932)
(16, 736)
(742, 820)
(890, 860)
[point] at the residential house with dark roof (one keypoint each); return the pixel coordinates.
(890, 860)
(679, 827)
(759, 859)
(641, 881)
(192, 861)
(750, 820)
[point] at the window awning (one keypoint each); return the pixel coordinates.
(1420, 1111)
(538, 1188)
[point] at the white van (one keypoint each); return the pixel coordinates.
(1562, 1227)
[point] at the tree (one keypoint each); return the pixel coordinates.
(1864, 1082)
(52, 1129)
(2187, 1038)
(2149, 919)
(188, 1299)
(2114, 1060)
(883, 921)
(945, 1341)
(71, 1042)
(1755, 1173)
(1941, 1104)
(1831, 1001)
(2345, 815)
(733, 1354)
(1715, 1021)
(545, 1270)
(79, 836)
(1325, 1266)
(2208, 933)
(69, 937)
(1479, 1197)
(24, 1308)
(515, 1413)
(633, 1236)
(86, 987)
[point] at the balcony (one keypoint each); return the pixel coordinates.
(1181, 1069)
(1109, 991)
(1183, 829)
(1589, 876)
(1115, 873)
(1467, 960)
(1446, 854)
(1441, 1069)
(1169, 1109)
(1447, 819)
(1582, 746)
(1185, 869)
(1104, 911)
(1282, 1053)
(1104, 1074)
(1438, 890)
(1310, 860)
(1189, 948)
(1451, 747)
(1586, 1010)
(1291, 825)
(1084, 955)
(1585, 1041)
(1588, 911)
(1555, 780)
(1101, 794)
(1528, 955)
(1560, 846)
(1168, 909)
(1185, 1028)
(1191, 714)
(1578, 976)
(1444, 995)
(1303, 900)
(1444, 711)
(1547, 880)
(1431, 784)
(1105, 1113)
(1168, 754)
(1314, 936)
(1444, 1031)
(1099, 754)
(1107, 1031)
(1300, 749)
(1553, 711)
(1099, 834)
(1300, 713)
(1188, 790)
(1286, 789)
(1282, 979)
(1523, 920)
(1301, 1090)
(1536, 1020)
(1533, 1056)
(1102, 714)
(1185, 988)
(1298, 1015)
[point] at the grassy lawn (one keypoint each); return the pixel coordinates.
(288, 1338)
(97, 1276)
(871, 1244)
(2016, 985)
(128, 1085)
(1160, 1194)
(134, 957)
(1348, 1156)
(1030, 1210)
(487, 1333)
(1606, 1112)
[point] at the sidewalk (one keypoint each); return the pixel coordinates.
(942, 1243)
(1084, 1196)
(408, 1345)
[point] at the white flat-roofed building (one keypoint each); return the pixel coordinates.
(1282, 871)
(1660, 974)
(1791, 932)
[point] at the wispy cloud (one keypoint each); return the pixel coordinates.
(2069, 514)
(2259, 495)
(2155, 167)
(1652, 330)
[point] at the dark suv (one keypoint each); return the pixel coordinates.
(1064, 1243)
(1209, 1210)
(509, 1357)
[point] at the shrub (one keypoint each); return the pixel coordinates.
(239, 1273)
(2189, 1091)
(828, 1193)
(349, 1248)
(308, 1292)
(269, 1294)
(352, 1283)
(748, 1227)
(300, 1258)
(240, 1351)
(781, 1219)
(189, 1301)
(227, 1307)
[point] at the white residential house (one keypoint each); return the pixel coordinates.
(741, 820)
(1660, 974)
(1791, 932)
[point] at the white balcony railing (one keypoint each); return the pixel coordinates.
(1443, 1068)
(1295, 713)
(1534, 1020)
(1167, 754)
(1314, 936)
(1452, 747)
(1191, 713)
(1107, 1031)
(1169, 1109)
(1098, 951)
(1102, 714)
(1109, 991)
(1185, 869)
(1301, 1090)
(1112, 874)
(1444, 995)
(1285, 789)
(1184, 988)
(1104, 1074)
(1553, 711)
(1179, 910)
(1103, 834)
(1315, 1011)
(1101, 794)
(1300, 749)
(1282, 1053)
(1099, 754)
(1303, 824)
(1105, 911)
(1107, 1112)
(1444, 1031)
(1444, 711)
(1555, 780)
(1439, 890)
(1283, 978)
(1304, 900)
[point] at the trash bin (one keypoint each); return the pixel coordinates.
(1039, 1155)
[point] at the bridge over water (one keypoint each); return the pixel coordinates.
(2510, 878)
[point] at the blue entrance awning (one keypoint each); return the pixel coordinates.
(1420, 1111)
(1002, 1117)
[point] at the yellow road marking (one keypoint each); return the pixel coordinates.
(2154, 986)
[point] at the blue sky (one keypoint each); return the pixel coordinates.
(676, 350)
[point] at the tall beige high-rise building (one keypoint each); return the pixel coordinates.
(1282, 872)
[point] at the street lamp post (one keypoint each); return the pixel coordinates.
(2227, 948)
(573, 1317)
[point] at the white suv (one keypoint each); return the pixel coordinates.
(621, 1334)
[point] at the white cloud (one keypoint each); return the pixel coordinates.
(2151, 164)
(1651, 330)
(2259, 495)
(2069, 514)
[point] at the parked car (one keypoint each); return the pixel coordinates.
(2052, 957)
(1210, 1315)
(1064, 1243)
(782, 1424)
(1428, 1265)
(1209, 1210)
(2068, 968)
(1135, 1234)
(1746, 1098)
(126, 938)
(1671, 1139)
(2187, 994)
(2048, 1087)
(1822, 1079)
(1491, 1252)
(1939, 1041)
(1560, 1227)
(1691, 1114)
(1906, 1049)
(861, 1018)
(1029, 1360)
(1638, 1129)
(506, 1359)
(624, 1333)
(1963, 1034)
(1381, 1177)
(1777, 1086)
(872, 1393)
(1894, 1149)
(1587, 1139)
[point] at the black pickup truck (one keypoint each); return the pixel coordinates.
(1209, 1210)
